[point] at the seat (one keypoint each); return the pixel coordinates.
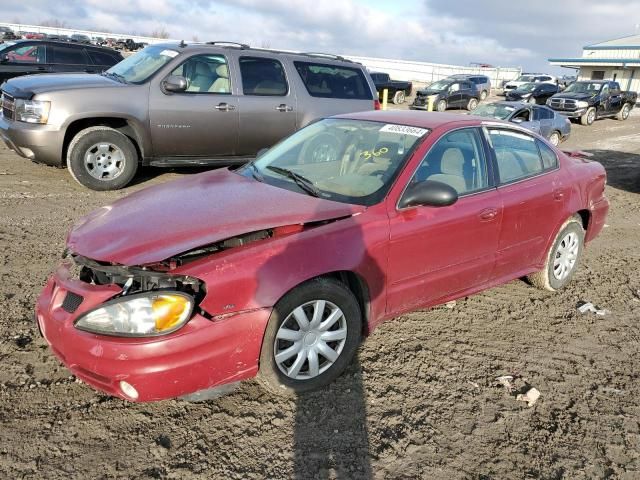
(202, 78)
(452, 167)
(221, 84)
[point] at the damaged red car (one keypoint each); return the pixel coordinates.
(277, 269)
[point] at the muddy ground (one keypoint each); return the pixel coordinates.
(421, 402)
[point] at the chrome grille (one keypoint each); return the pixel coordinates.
(8, 105)
(563, 104)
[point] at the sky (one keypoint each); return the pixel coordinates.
(501, 33)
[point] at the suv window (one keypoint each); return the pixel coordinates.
(262, 76)
(549, 157)
(26, 54)
(205, 74)
(102, 58)
(457, 159)
(67, 55)
(517, 155)
(333, 81)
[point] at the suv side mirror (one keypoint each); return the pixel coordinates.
(429, 193)
(174, 83)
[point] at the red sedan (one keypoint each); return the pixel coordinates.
(278, 268)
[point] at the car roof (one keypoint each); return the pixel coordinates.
(413, 118)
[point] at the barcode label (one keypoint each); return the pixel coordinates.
(404, 129)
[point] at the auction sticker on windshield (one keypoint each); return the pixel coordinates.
(404, 129)
(169, 53)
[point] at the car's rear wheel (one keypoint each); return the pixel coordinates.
(563, 257)
(483, 95)
(473, 103)
(311, 337)
(101, 158)
(589, 117)
(399, 97)
(441, 106)
(624, 113)
(555, 138)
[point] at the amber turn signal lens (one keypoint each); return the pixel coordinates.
(169, 311)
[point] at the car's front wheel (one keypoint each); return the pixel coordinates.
(102, 158)
(441, 106)
(555, 138)
(473, 103)
(311, 337)
(589, 117)
(563, 257)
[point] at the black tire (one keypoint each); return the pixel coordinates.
(623, 114)
(441, 106)
(82, 145)
(555, 138)
(276, 381)
(472, 104)
(399, 98)
(546, 279)
(483, 95)
(589, 117)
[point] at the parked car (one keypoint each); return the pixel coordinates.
(26, 57)
(278, 268)
(80, 38)
(35, 36)
(128, 44)
(398, 90)
(592, 99)
(177, 105)
(447, 93)
(533, 93)
(566, 80)
(540, 119)
(528, 78)
(7, 34)
(482, 83)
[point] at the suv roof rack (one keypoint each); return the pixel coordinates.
(325, 55)
(242, 46)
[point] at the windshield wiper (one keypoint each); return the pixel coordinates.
(302, 181)
(255, 171)
(116, 76)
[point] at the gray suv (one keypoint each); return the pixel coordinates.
(175, 105)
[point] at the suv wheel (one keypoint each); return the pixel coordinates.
(311, 337)
(399, 97)
(473, 103)
(101, 158)
(589, 117)
(562, 258)
(441, 106)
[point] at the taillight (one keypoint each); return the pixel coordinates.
(376, 104)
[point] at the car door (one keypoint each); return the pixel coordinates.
(545, 121)
(437, 252)
(532, 194)
(202, 121)
(615, 99)
(23, 58)
(455, 95)
(525, 118)
(67, 58)
(468, 91)
(267, 106)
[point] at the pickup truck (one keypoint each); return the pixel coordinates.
(591, 99)
(129, 44)
(398, 90)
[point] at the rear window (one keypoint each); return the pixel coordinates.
(102, 58)
(332, 81)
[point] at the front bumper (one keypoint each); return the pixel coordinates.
(571, 113)
(40, 143)
(202, 354)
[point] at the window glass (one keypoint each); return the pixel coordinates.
(333, 81)
(102, 58)
(457, 159)
(547, 114)
(549, 158)
(138, 67)
(205, 74)
(26, 54)
(67, 55)
(262, 76)
(516, 154)
(454, 87)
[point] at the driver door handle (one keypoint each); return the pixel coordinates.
(225, 107)
(284, 108)
(488, 214)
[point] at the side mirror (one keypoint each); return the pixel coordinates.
(174, 83)
(429, 193)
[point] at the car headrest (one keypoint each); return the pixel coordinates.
(452, 162)
(222, 70)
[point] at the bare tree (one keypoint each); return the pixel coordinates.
(195, 38)
(54, 23)
(265, 44)
(160, 32)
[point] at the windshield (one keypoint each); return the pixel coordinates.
(349, 161)
(6, 45)
(439, 85)
(526, 87)
(525, 78)
(494, 110)
(584, 87)
(140, 66)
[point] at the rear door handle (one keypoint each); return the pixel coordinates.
(225, 107)
(488, 214)
(284, 108)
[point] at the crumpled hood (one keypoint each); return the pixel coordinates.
(161, 221)
(29, 85)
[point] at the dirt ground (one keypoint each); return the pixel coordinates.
(420, 402)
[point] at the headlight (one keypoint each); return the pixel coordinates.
(582, 104)
(32, 111)
(141, 315)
